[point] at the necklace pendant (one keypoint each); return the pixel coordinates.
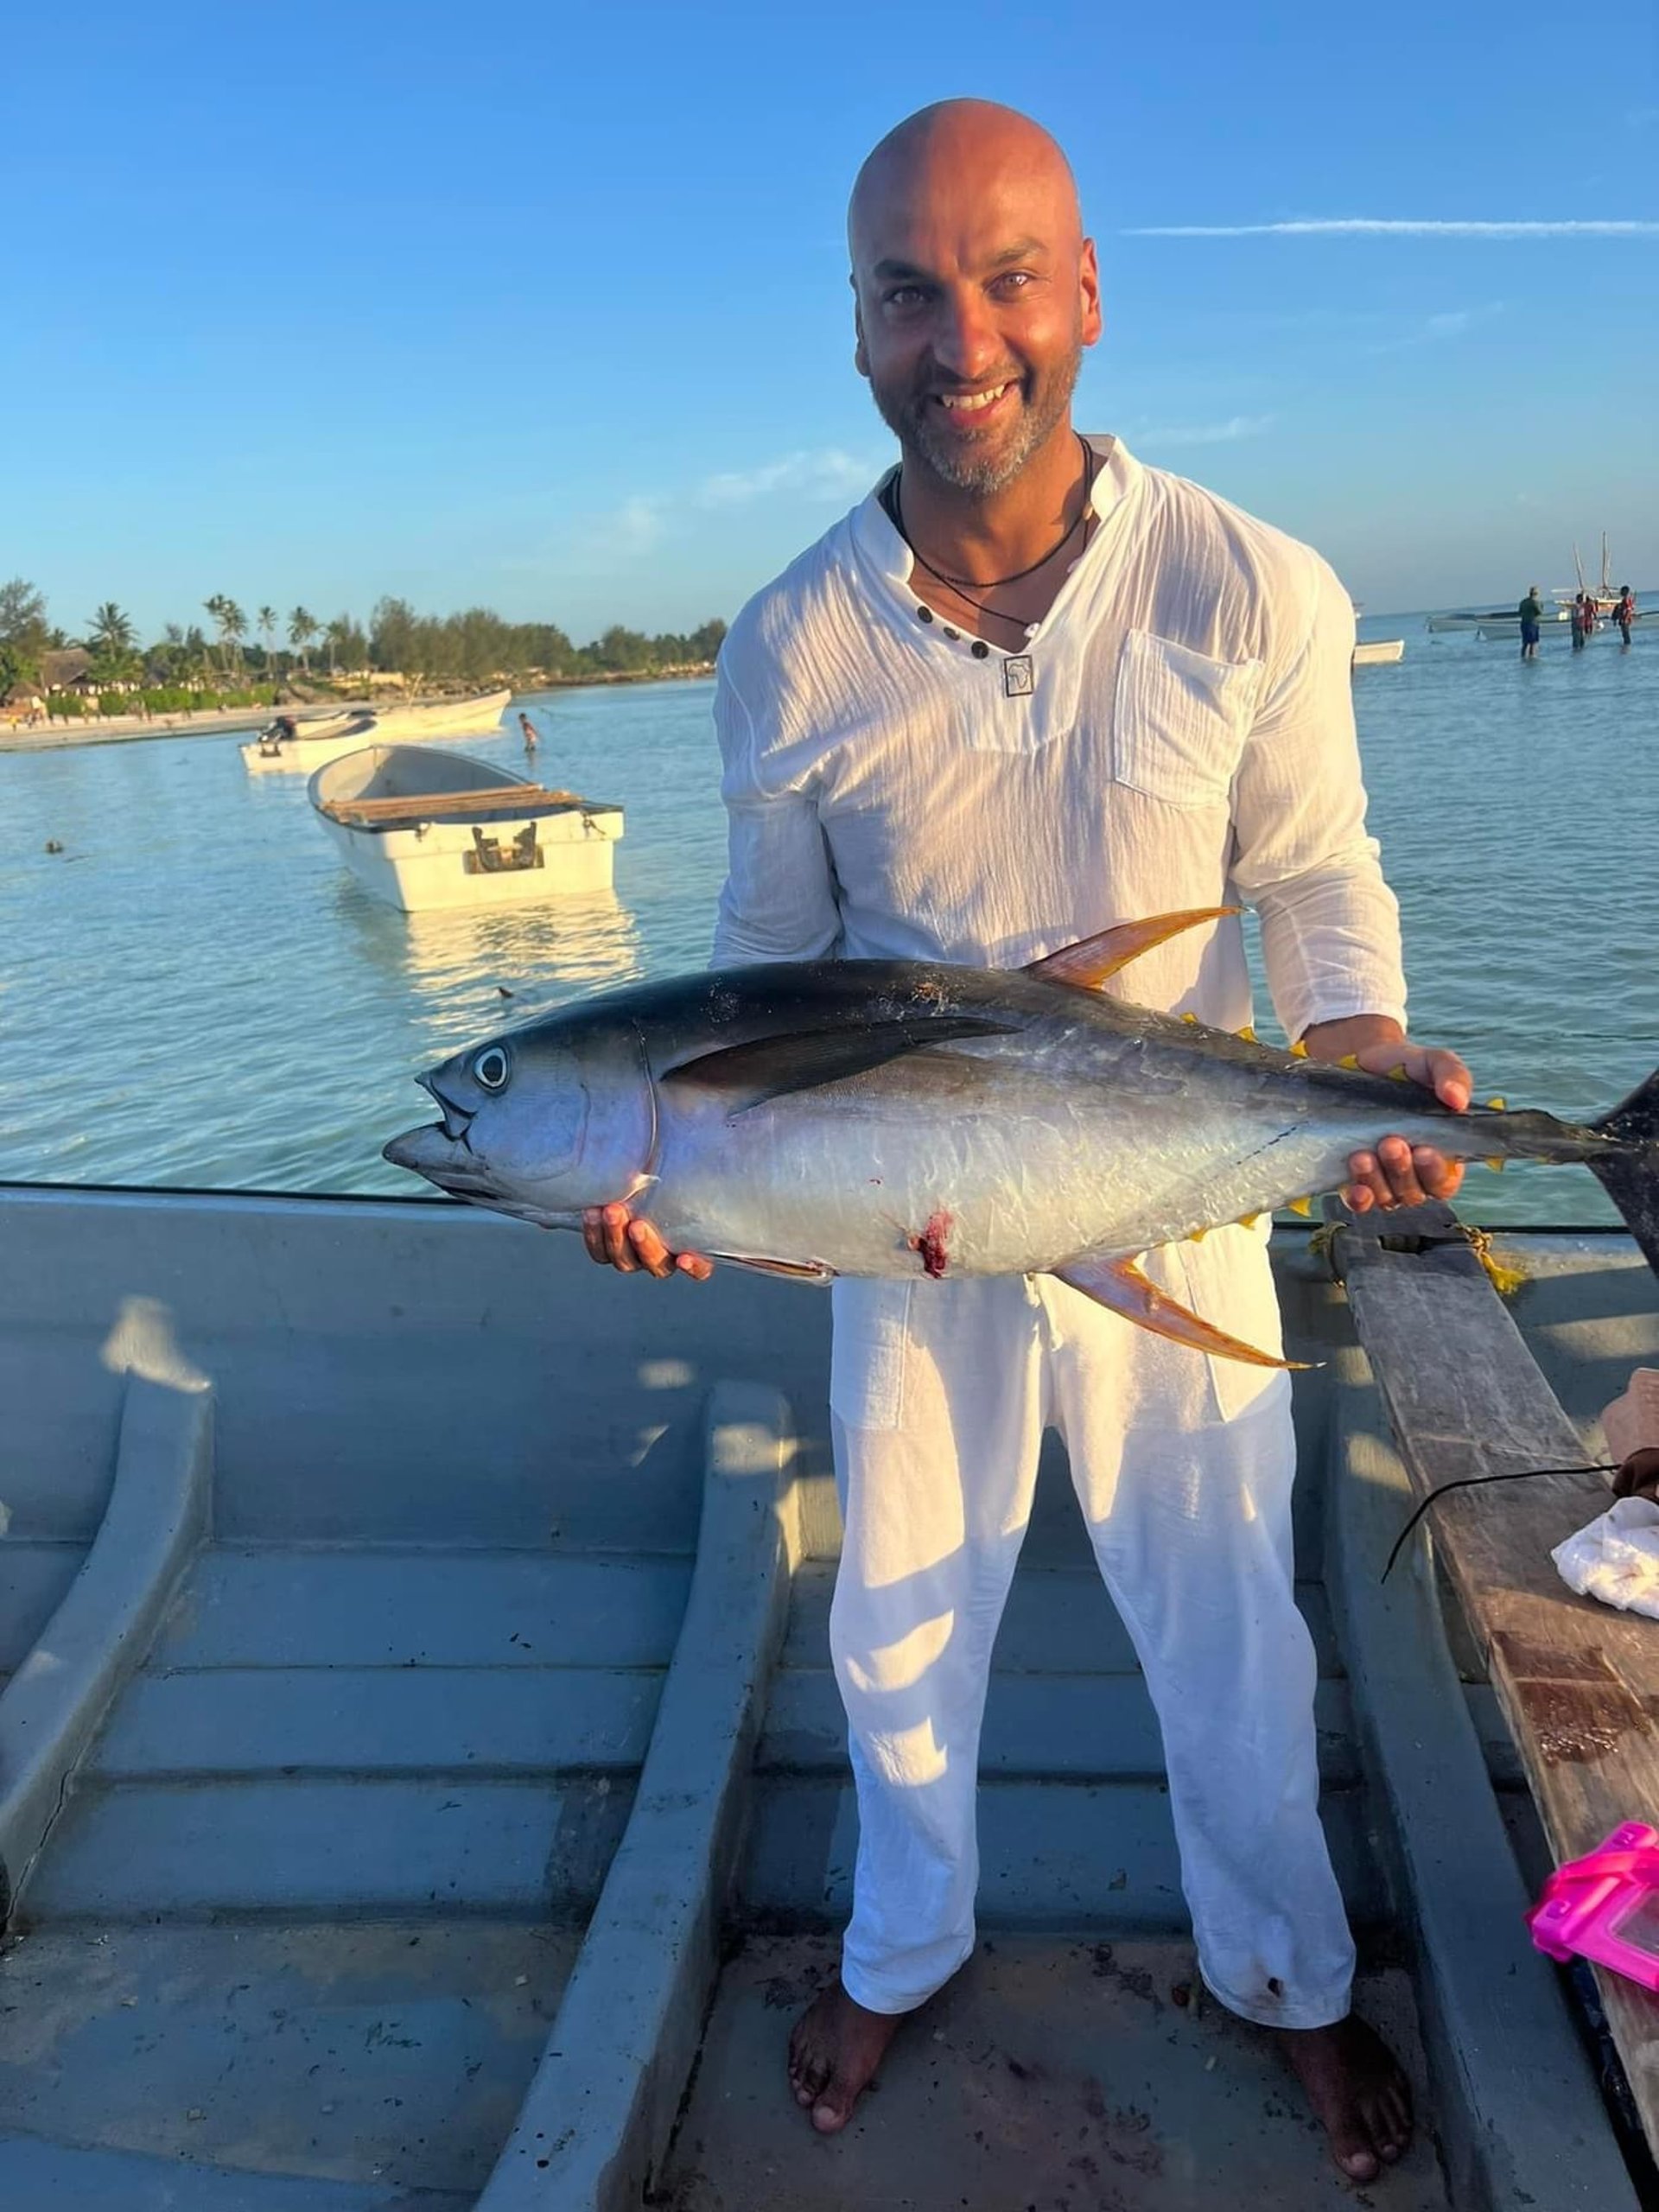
(1019, 678)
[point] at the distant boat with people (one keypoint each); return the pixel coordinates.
(287, 744)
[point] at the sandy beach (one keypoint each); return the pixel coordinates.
(119, 730)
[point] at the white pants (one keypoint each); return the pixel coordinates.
(940, 1393)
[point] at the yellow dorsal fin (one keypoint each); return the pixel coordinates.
(1299, 1050)
(1092, 959)
(1300, 1205)
(1120, 1287)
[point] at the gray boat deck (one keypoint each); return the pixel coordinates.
(368, 1879)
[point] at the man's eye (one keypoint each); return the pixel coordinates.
(904, 295)
(1014, 280)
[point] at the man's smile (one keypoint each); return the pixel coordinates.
(974, 406)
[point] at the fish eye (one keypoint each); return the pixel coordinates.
(491, 1067)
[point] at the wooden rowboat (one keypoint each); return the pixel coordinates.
(420, 828)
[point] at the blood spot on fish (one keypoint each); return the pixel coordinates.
(933, 1243)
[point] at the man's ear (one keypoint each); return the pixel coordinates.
(861, 352)
(1094, 320)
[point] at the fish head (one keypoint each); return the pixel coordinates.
(540, 1122)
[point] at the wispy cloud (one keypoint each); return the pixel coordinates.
(827, 473)
(1371, 227)
(633, 528)
(1207, 434)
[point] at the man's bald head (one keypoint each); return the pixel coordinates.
(952, 143)
(976, 290)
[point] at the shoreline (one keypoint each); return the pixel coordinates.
(218, 721)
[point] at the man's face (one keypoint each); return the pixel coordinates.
(976, 296)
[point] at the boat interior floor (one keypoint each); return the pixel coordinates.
(1060, 2075)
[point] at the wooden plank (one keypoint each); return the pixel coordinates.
(422, 806)
(1577, 1680)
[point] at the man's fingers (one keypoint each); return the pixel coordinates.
(694, 1264)
(593, 1234)
(1440, 1177)
(1394, 1158)
(1449, 1079)
(649, 1251)
(617, 1249)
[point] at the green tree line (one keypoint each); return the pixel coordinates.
(477, 646)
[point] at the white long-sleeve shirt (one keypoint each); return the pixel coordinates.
(1187, 741)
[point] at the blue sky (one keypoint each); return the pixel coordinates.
(546, 308)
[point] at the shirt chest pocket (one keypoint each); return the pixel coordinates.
(1180, 720)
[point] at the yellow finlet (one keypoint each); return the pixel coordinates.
(1497, 1163)
(1196, 1236)
(1300, 1205)
(1350, 1060)
(1299, 1050)
(1399, 1074)
(1498, 1105)
(1246, 1033)
(1249, 1220)
(1189, 1017)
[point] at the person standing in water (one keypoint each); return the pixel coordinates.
(530, 739)
(1532, 613)
(1625, 612)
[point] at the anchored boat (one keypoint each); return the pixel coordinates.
(286, 745)
(420, 828)
(423, 1784)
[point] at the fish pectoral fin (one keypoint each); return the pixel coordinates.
(1120, 1286)
(791, 1270)
(1088, 962)
(807, 1059)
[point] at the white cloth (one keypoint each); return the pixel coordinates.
(1188, 738)
(1616, 1558)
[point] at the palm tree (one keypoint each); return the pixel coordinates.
(336, 637)
(233, 626)
(109, 632)
(302, 628)
(268, 620)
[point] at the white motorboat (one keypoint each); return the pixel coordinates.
(421, 828)
(306, 745)
(1377, 653)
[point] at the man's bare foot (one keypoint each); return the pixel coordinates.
(1358, 2094)
(833, 2055)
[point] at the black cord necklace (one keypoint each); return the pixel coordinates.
(1085, 517)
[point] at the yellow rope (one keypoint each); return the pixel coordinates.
(1505, 1280)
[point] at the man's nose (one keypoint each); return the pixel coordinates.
(966, 340)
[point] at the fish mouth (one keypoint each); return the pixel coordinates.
(441, 1159)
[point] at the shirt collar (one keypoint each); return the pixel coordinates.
(881, 550)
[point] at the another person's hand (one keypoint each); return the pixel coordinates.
(1638, 1476)
(630, 1243)
(1396, 1173)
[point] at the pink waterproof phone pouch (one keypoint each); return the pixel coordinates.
(1606, 1906)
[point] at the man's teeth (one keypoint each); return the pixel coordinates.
(969, 402)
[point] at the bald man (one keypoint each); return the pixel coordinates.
(1027, 689)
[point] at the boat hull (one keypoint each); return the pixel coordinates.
(424, 829)
(438, 718)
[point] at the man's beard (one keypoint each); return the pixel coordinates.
(917, 424)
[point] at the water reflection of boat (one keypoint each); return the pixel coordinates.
(587, 942)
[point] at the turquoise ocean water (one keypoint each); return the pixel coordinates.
(194, 992)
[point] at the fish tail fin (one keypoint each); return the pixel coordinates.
(1629, 1170)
